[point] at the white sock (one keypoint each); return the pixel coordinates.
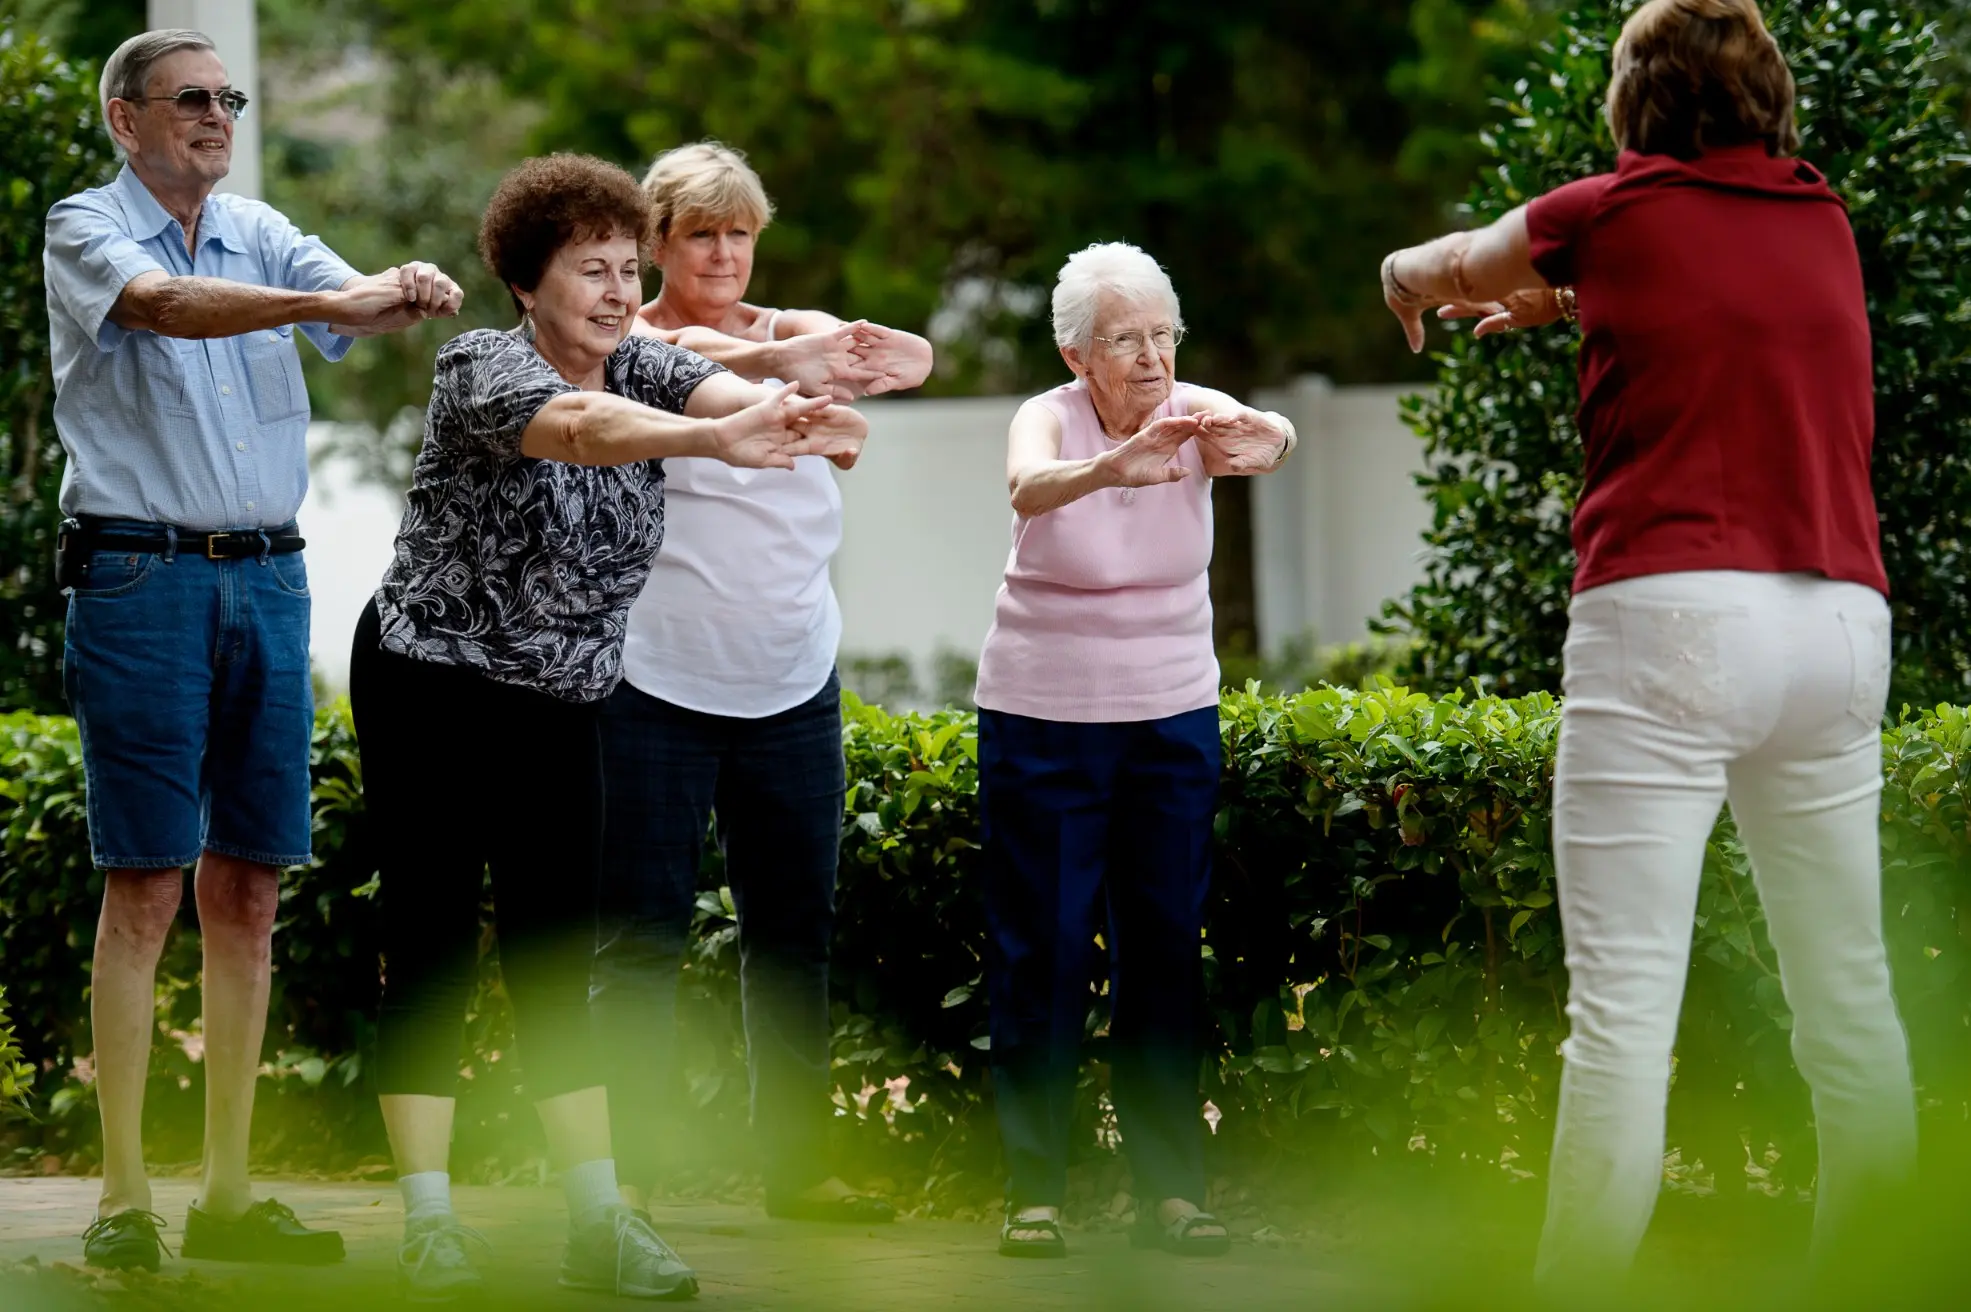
(426, 1194)
(591, 1190)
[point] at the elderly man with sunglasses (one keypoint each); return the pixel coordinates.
(180, 404)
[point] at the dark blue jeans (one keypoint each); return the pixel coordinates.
(1087, 827)
(775, 786)
(189, 682)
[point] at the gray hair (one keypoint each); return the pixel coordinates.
(127, 72)
(1115, 267)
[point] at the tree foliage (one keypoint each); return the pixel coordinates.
(48, 118)
(934, 163)
(1879, 118)
(942, 159)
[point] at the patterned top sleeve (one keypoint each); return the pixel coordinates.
(661, 375)
(487, 388)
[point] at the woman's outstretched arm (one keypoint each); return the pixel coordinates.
(1471, 271)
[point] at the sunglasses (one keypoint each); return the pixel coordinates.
(196, 102)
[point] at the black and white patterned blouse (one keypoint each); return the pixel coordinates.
(525, 569)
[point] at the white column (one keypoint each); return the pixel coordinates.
(1340, 530)
(231, 25)
(1288, 549)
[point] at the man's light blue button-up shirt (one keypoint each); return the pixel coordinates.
(207, 434)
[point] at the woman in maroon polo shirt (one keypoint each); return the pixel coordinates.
(1728, 637)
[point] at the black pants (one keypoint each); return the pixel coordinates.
(775, 785)
(1080, 819)
(461, 773)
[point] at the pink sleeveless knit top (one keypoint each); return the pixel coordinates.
(1105, 614)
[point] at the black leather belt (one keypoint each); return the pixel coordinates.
(82, 537)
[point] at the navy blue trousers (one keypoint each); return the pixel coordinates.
(1098, 827)
(775, 786)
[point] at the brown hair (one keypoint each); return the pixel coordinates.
(704, 183)
(544, 203)
(1693, 75)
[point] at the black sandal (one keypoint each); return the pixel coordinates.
(1050, 1244)
(1180, 1236)
(849, 1209)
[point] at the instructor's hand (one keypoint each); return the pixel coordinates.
(1526, 309)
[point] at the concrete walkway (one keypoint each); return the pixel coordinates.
(743, 1259)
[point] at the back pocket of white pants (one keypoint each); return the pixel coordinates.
(1868, 641)
(1673, 660)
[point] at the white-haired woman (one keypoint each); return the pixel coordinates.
(1099, 746)
(730, 708)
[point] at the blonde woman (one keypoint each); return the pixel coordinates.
(730, 709)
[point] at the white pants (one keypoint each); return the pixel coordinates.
(1683, 691)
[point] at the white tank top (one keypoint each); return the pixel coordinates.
(738, 616)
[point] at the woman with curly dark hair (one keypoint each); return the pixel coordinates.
(1728, 638)
(535, 509)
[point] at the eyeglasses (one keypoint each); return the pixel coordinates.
(196, 102)
(1126, 344)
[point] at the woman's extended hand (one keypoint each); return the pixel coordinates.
(1403, 302)
(827, 364)
(769, 433)
(897, 360)
(1528, 309)
(1487, 272)
(1146, 458)
(1247, 442)
(836, 432)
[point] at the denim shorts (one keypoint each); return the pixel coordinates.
(189, 682)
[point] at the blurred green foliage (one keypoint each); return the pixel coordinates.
(1382, 954)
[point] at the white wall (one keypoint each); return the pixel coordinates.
(1339, 530)
(927, 527)
(1336, 533)
(351, 526)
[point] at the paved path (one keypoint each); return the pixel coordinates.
(744, 1260)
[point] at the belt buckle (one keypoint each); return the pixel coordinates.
(211, 540)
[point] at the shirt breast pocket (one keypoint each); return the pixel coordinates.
(273, 375)
(165, 368)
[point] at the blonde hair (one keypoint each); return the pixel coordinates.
(705, 182)
(1115, 267)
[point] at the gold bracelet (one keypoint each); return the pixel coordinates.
(1566, 303)
(1458, 279)
(1393, 287)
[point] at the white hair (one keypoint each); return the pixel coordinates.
(1115, 267)
(127, 72)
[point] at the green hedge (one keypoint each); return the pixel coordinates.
(15, 1075)
(1382, 949)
